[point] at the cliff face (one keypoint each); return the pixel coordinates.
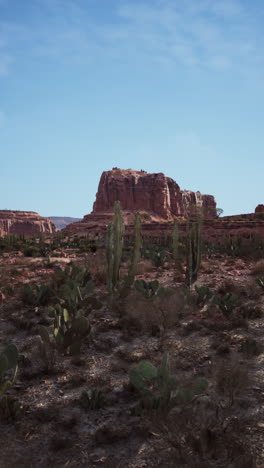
(138, 190)
(259, 209)
(27, 223)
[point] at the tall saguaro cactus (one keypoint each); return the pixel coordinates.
(175, 243)
(135, 257)
(193, 249)
(115, 241)
(137, 246)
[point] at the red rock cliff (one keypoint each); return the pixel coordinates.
(259, 209)
(138, 190)
(27, 223)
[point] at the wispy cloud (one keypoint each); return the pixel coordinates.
(218, 34)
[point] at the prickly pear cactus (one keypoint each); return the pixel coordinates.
(68, 332)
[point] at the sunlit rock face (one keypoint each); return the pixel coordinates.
(156, 193)
(27, 223)
(259, 209)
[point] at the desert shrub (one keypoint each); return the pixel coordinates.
(158, 387)
(32, 251)
(45, 356)
(97, 265)
(251, 347)
(144, 266)
(249, 311)
(196, 437)
(152, 316)
(157, 254)
(258, 268)
(231, 380)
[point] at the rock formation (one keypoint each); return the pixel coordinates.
(259, 209)
(27, 223)
(155, 193)
(158, 198)
(62, 221)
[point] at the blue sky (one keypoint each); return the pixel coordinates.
(173, 86)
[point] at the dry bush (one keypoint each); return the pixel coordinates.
(231, 380)
(45, 356)
(153, 315)
(258, 268)
(228, 286)
(194, 436)
(97, 265)
(144, 266)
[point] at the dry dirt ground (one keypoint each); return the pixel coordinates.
(224, 427)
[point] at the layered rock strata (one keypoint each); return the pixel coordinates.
(156, 193)
(27, 223)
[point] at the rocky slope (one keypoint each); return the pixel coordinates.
(62, 221)
(27, 223)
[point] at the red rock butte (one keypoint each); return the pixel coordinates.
(154, 193)
(27, 223)
(159, 199)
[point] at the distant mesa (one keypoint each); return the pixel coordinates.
(27, 223)
(157, 197)
(156, 193)
(259, 209)
(62, 221)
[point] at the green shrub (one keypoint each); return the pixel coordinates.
(157, 386)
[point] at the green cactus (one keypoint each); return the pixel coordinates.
(72, 285)
(36, 295)
(193, 249)
(157, 386)
(10, 409)
(175, 245)
(202, 295)
(135, 258)
(260, 281)
(227, 303)
(149, 289)
(8, 364)
(114, 241)
(68, 332)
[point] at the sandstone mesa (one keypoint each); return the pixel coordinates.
(27, 223)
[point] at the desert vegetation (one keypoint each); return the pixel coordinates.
(131, 351)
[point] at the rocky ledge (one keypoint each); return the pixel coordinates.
(27, 223)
